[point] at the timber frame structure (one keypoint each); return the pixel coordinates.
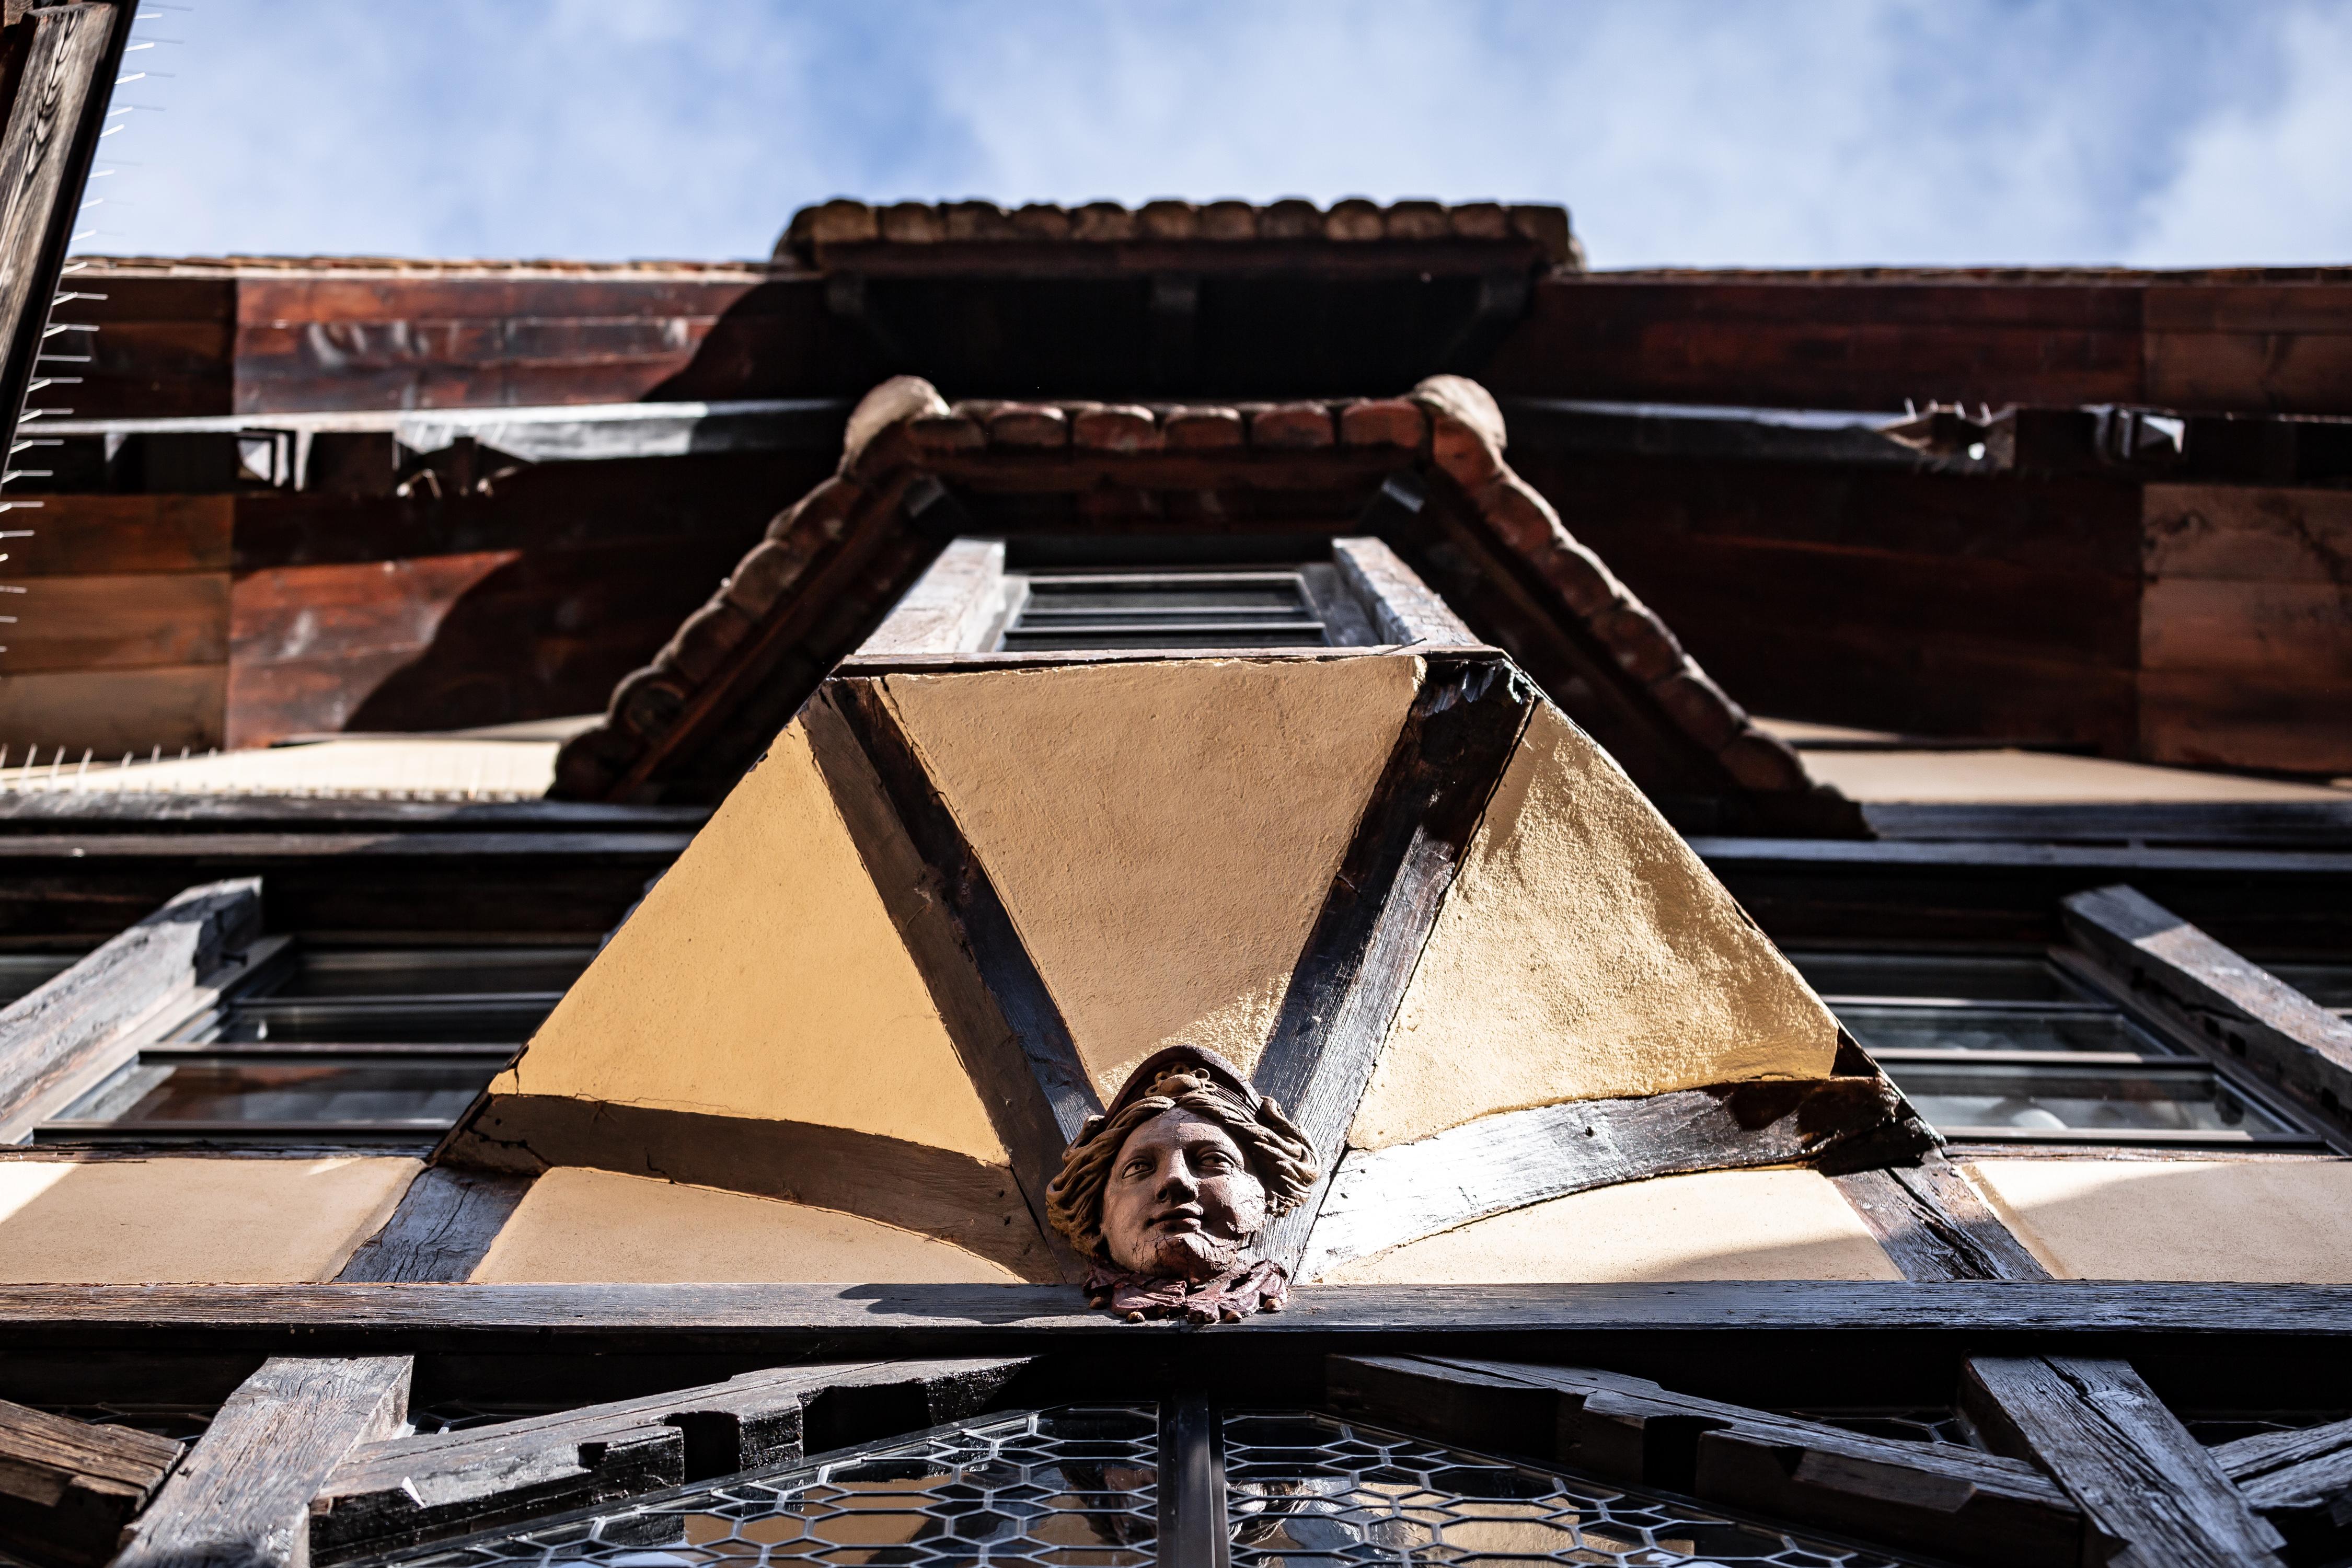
(2002, 1343)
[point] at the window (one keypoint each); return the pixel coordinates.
(1083, 1485)
(326, 1045)
(2001, 1048)
(1167, 609)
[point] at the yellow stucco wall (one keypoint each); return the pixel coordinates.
(1584, 953)
(761, 977)
(1714, 1224)
(1163, 834)
(191, 1221)
(587, 1225)
(2256, 1221)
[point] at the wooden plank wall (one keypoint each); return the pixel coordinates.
(1931, 604)
(121, 638)
(2246, 627)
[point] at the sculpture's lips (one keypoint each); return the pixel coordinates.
(1183, 1220)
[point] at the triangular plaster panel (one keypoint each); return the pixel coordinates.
(1584, 951)
(761, 978)
(1163, 833)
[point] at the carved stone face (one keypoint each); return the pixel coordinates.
(1182, 1200)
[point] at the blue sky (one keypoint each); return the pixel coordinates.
(1804, 132)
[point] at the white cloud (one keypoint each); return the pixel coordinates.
(1680, 131)
(2269, 182)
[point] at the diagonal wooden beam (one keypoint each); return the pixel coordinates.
(68, 1487)
(1934, 1225)
(241, 1497)
(445, 1224)
(401, 1491)
(1007, 1029)
(2304, 1474)
(1960, 1504)
(2139, 1476)
(2239, 1009)
(62, 81)
(1351, 978)
(1383, 1198)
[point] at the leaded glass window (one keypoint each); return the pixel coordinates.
(1080, 1487)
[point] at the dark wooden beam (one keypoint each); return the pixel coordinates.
(64, 1032)
(1383, 1198)
(44, 1317)
(1958, 1503)
(54, 119)
(1008, 1031)
(2294, 1476)
(1350, 980)
(2239, 1009)
(67, 1488)
(915, 1186)
(403, 1490)
(1193, 1528)
(1935, 1224)
(46, 811)
(2142, 1479)
(445, 1224)
(241, 1498)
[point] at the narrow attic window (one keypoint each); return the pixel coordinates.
(985, 596)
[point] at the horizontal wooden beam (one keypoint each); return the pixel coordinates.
(2237, 1007)
(403, 1490)
(1383, 1198)
(2306, 1472)
(2311, 1316)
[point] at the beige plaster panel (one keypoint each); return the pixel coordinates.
(1714, 1224)
(191, 1222)
(761, 977)
(577, 1225)
(1163, 834)
(1583, 953)
(2256, 1221)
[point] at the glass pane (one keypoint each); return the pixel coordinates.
(156, 1093)
(1966, 977)
(1309, 1488)
(1995, 1029)
(2052, 1099)
(495, 1020)
(427, 971)
(1198, 609)
(1073, 1486)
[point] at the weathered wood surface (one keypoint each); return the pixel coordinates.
(1957, 1502)
(241, 1497)
(1383, 1198)
(1936, 1226)
(2144, 1482)
(56, 1034)
(2282, 1034)
(915, 1186)
(62, 91)
(2315, 1316)
(956, 607)
(107, 811)
(402, 1490)
(68, 1487)
(2313, 824)
(2306, 1471)
(1350, 977)
(443, 1225)
(1008, 1031)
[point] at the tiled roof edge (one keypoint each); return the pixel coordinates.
(1355, 220)
(1447, 424)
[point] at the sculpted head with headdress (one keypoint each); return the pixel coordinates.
(1167, 1192)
